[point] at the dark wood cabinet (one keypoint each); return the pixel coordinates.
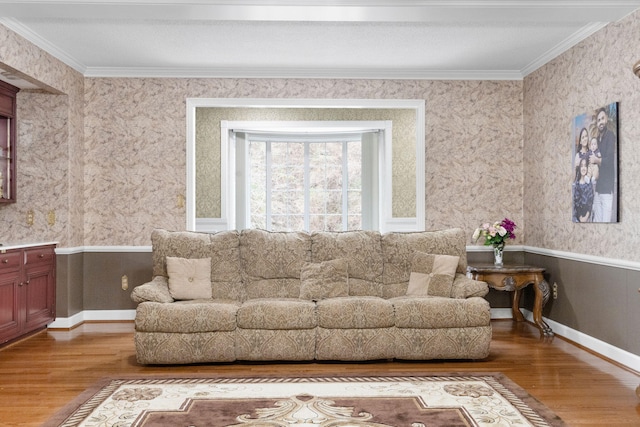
(7, 142)
(27, 290)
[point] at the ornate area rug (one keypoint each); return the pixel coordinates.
(414, 401)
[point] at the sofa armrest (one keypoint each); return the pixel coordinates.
(464, 287)
(157, 290)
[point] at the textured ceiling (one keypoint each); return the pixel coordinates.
(341, 39)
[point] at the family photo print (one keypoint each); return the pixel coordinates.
(595, 165)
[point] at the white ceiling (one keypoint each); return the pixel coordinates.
(453, 39)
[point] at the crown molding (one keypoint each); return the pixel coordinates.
(303, 73)
(563, 46)
(33, 37)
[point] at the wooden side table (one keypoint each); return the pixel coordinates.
(515, 278)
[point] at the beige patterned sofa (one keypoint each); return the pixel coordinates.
(323, 296)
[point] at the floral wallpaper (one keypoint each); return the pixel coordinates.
(135, 147)
(50, 151)
(596, 72)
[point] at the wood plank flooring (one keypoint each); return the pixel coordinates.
(41, 374)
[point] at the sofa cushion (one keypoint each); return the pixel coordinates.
(272, 261)
(363, 253)
(355, 313)
(398, 249)
(319, 280)
(432, 274)
(187, 316)
(277, 313)
(189, 278)
(438, 312)
(223, 249)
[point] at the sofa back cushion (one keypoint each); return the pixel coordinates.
(223, 248)
(328, 279)
(272, 262)
(361, 250)
(399, 249)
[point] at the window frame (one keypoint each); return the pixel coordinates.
(387, 221)
(306, 133)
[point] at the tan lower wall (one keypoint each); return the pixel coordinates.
(594, 299)
(598, 300)
(93, 280)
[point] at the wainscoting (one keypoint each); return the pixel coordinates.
(598, 304)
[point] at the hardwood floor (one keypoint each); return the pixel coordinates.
(41, 374)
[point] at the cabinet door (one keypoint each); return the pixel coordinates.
(39, 295)
(10, 324)
(7, 142)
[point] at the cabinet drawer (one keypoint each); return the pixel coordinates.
(39, 255)
(10, 261)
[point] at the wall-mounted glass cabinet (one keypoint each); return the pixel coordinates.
(7, 142)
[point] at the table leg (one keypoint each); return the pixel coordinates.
(515, 306)
(541, 288)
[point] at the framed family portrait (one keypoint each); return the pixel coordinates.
(595, 165)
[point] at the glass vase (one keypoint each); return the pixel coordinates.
(498, 251)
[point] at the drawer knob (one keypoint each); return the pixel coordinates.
(5, 261)
(41, 256)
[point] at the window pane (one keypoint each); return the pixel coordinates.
(333, 223)
(354, 202)
(258, 220)
(354, 158)
(258, 180)
(317, 201)
(295, 223)
(295, 173)
(334, 202)
(316, 223)
(333, 151)
(334, 177)
(278, 153)
(278, 202)
(296, 202)
(316, 175)
(278, 223)
(355, 222)
(324, 204)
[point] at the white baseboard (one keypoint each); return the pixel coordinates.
(616, 354)
(92, 316)
(604, 349)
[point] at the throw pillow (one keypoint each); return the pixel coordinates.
(189, 278)
(432, 275)
(325, 279)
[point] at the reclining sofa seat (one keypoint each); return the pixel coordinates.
(257, 312)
